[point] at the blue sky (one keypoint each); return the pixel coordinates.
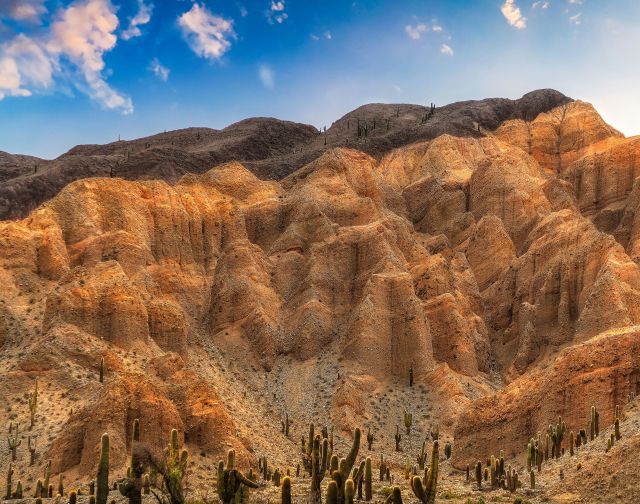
(86, 71)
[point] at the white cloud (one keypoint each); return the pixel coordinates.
(23, 63)
(436, 28)
(576, 20)
(541, 4)
(23, 10)
(83, 32)
(328, 35)
(445, 49)
(415, 32)
(141, 18)
(243, 10)
(575, 2)
(159, 70)
(314, 37)
(267, 76)
(74, 45)
(513, 14)
(207, 34)
(276, 13)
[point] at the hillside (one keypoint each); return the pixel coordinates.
(269, 148)
(490, 253)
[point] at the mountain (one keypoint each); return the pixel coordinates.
(490, 254)
(269, 148)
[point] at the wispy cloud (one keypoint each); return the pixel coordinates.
(141, 18)
(576, 19)
(416, 31)
(277, 12)
(73, 46)
(23, 10)
(267, 76)
(208, 35)
(575, 2)
(541, 4)
(513, 14)
(159, 70)
(446, 49)
(436, 28)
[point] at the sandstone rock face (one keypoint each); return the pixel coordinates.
(499, 266)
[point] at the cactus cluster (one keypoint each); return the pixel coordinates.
(425, 489)
(230, 480)
(13, 440)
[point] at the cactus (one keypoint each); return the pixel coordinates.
(556, 435)
(368, 492)
(33, 404)
(285, 492)
(349, 490)
(346, 465)
(13, 440)
(38, 492)
(398, 438)
(92, 499)
(571, 443)
(286, 423)
(47, 475)
(332, 493)
(72, 497)
(60, 485)
(230, 479)
(370, 439)
(593, 422)
(447, 450)
(131, 487)
(467, 473)
(101, 378)
(103, 472)
(408, 421)
(616, 426)
(32, 450)
(435, 434)
(479, 474)
(616, 411)
(357, 475)
(383, 467)
(422, 456)
(9, 482)
(276, 477)
(318, 465)
(92, 488)
(411, 368)
(395, 497)
(532, 478)
(427, 493)
(18, 493)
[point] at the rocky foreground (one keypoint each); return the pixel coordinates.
(495, 261)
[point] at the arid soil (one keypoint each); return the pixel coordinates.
(497, 263)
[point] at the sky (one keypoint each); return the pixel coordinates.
(90, 71)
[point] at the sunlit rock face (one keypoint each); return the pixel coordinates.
(498, 267)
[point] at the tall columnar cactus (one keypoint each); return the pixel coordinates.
(102, 479)
(571, 442)
(532, 478)
(131, 487)
(101, 378)
(411, 368)
(38, 492)
(319, 453)
(285, 492)
(230, 479)
(595, 427)
(73, 496)
(422, 456)
(47, 475)
(479, 474)
(9, 482)
(408, 421)
(447, 450)
(395, 497)
(370, 439)
(425, 490)
(398, 438)
(346, 465)
(616, 426)
(349, 491)
(60, 485)
(18, 493)
(286, 423)
(33, 404)
(383, 467)
(368, 489)
(13, 440)
(556, 435)
(32, 450)
(332, 493)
